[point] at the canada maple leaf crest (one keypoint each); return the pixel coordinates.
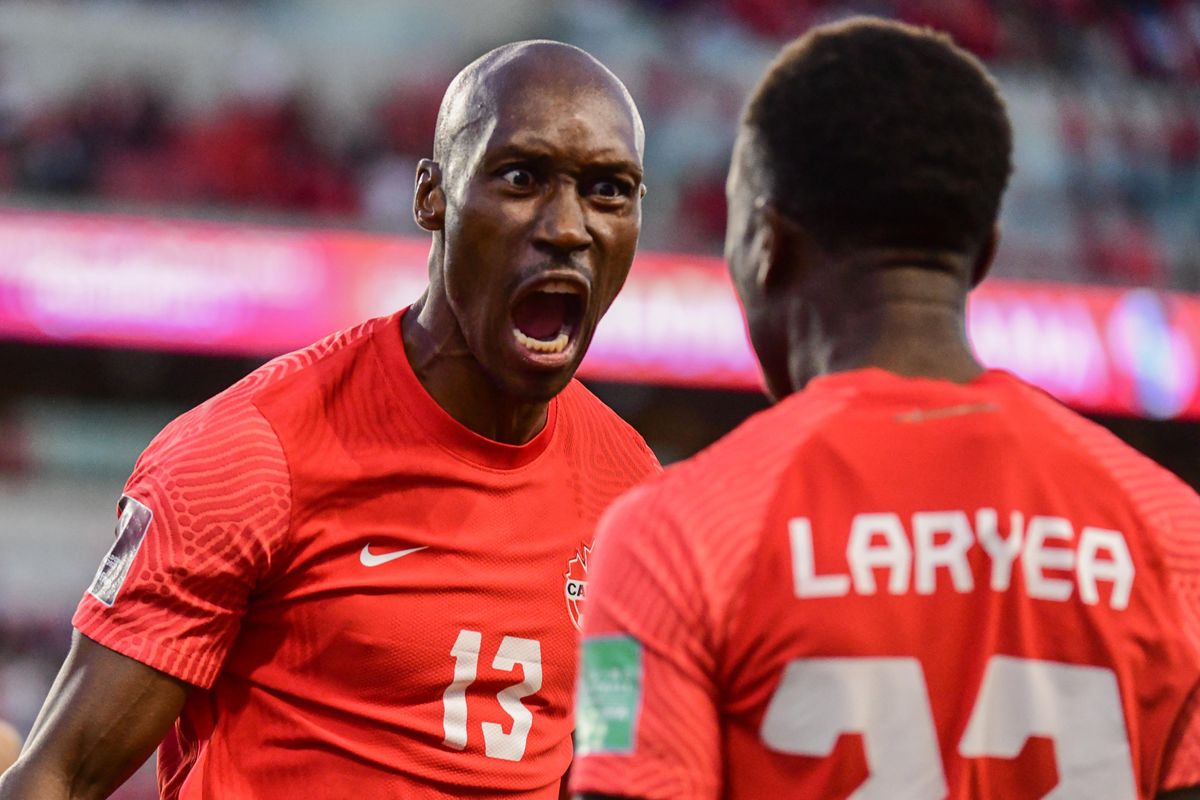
(576, 584)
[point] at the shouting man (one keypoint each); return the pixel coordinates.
(358, 572)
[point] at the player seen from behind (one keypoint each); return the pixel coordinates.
(356, 572)
(913, 577)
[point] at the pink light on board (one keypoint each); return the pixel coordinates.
(221, 288)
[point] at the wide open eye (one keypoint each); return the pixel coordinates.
(607, 189)
(610, 189)
(518, 177)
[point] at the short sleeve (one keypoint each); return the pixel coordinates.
(203, 514)
(646, 716)
(1181, 766)
(1177, 518)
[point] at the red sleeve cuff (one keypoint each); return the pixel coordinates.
(198, 668)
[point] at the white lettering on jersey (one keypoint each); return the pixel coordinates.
(1039, 556)
(807, 582)
(1053, 562)
(1116, 569)
(1003, 552)
(950, 554)
(865, 556)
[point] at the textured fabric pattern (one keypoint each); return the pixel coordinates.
(843, 531)
(374, 599)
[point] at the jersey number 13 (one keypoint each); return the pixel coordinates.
(513, 650)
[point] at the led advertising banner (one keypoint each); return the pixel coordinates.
(253, 290)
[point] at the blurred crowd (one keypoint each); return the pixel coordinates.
(1109, 165)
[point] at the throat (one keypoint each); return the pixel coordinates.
(445, 368)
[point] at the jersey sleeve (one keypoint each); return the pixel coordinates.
(1181, 540)
(203, 514)
(646, 716)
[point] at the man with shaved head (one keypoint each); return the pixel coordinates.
(359, 572)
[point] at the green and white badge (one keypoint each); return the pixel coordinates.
(610, 695)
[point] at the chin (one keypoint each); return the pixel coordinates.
(538, 387)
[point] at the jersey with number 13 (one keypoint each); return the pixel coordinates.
(897, 588)
(372, 600)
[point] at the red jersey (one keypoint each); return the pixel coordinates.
(902, 588)
(376, 601)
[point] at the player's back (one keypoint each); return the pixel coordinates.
(946, 590)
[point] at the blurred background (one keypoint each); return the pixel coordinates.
(188, 187)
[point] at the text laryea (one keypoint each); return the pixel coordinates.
(940, 540)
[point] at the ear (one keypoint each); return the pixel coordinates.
(429, 197)
(771, 237)
(986, 257)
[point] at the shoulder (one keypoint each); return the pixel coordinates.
(596, 426)
(712, 507)
(1148, 484)
(1165, 504)
(228, 437)
(743, 468)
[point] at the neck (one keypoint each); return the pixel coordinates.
(909, 320)
(445, 366)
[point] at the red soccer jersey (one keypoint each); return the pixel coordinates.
(375, 601)
(896, 588)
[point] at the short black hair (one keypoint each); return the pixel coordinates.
(877, 133)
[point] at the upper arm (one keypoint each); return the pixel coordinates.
(103, 717)
(646, 715)
(204, 515)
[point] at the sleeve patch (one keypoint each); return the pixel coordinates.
(131, 530)
(610, 695)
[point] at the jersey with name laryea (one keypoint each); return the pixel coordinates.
(893, 587)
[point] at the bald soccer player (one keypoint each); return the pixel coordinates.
(913, 577)
(359, 571)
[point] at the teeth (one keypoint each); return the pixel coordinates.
(559, 287)
(555, 345)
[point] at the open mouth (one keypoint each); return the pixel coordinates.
(546, 319)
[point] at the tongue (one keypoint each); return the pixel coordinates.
(541, 315)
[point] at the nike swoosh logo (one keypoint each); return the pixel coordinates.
(370, 559)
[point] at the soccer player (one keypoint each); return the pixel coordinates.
(913, 577)
(359, 571)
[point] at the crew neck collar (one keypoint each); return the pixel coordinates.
(450, 434)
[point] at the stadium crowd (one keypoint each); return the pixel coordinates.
(1119, 180)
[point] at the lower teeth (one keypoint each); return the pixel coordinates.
(555, 345)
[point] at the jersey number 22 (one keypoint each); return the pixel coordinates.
(886, 701)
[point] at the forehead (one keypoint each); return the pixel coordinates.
(586, 123)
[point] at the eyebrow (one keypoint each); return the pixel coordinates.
(537, 150)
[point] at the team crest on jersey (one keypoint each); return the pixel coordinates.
(576, 585)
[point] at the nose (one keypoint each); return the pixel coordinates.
(562, 225)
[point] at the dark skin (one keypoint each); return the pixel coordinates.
(536, 177)
(812, 311)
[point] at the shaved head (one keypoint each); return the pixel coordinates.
(501, 77)
(534, 199)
